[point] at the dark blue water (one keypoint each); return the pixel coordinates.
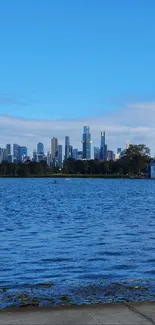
(77, 241)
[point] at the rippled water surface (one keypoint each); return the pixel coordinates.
(76, 241)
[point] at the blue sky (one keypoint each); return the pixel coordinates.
(69, 58)
(77, 59)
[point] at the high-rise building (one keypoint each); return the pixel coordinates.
(110, 155)
(119, 150)
(40, 148)
(54, 146)
(86, 143)
(22, 153)
(3, 154)
(48, 158)
(80, 155)
(10, 158)
(75, 153)
(67, 145)
(8, 150)
(102, 147)
(40, 157)
(15, 151)
(34, 157)
(105, 152)
(96, 153)
(59, 155)
(118, 154)
(70, 151)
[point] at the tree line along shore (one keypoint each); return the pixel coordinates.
(131, 165)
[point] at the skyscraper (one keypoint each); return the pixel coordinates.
(96, 153)
(1, 150)
(8, 150)
(119, 150)
(48, 158)
(54, 147)
(40, 148)
(3, 154)
(34, 158)
(110, 155)
(59, 156)
(105, 152)
(75, 153)
(22, 153)
(80, 155)
(102, 147)
(70, 151)
(67, 146)
(15, 151)
(86, 143)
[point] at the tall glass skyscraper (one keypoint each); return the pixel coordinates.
(40, 148)
(59, 156)
(22, 152)
(70, 151)
(67, 147)
(75, 153)
(54, 147)
(102, 147)
(8, 150)
(96, 153)
(86, 143)
(15, 150)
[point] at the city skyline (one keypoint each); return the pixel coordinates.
(87, 149)
(59, 153)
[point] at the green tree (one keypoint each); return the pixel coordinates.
(65, 169)
(104, 167)
(12, 168)
(136, 158)
(44, 166)
(35, 168)
(3, 168)
(23, 170)
(55, 170)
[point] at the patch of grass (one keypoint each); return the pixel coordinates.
(137, 287)
(66, 299)
(129, 287)
(22, 297)
(35, 301)
(4, 289)
(46, 284)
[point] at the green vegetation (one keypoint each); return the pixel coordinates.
(4, 289)
(131, 165)
(46, 284)
(65, 299)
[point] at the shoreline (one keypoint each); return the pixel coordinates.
(142, 313)
(89, 176)
(65, 306)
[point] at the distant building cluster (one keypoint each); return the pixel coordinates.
(54, 157)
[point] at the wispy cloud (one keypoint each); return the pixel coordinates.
(135, 122)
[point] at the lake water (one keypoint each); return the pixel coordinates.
(76, 241)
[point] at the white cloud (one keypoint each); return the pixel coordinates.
(135, 122)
